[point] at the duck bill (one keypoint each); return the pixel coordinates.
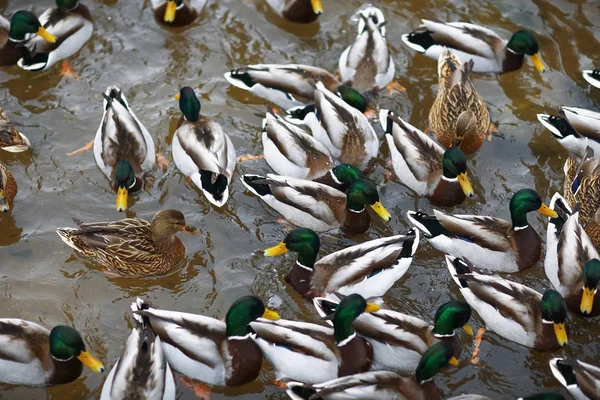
(122, 194)
(465, 184)
(453, 361)
(281, 248)
(170, 11)
(177, 96)
(317, 6)
(537, 62)
(91, 362)
(372, 307)
(381, 211)
(587, 301)
(561, 333)
(547, 211)
(47, 36)
(467, 328)
(270, 315)
(190, 230)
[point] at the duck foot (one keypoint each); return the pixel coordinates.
(493, 131)
(201, 390)
(280, 384)
(394, 87)
(162, 162)
(68, 71)
(477, 342)
(81, 150)
(250, 157)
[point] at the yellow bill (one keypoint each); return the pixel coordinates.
(91, 362)
(467, 328)
(271, 315)
(381, 211)
(170, 11)
(317, 6)
(537, 62)
(547, 211)
(281, 248)
(372, 307)
(47, 36)
(453, 361)
(190, 230)
(587, 301)
(465, 184)
(122, 194)
(177, 96)
(561, 333)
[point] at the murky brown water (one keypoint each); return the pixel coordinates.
(44, 282)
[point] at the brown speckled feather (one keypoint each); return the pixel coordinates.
(8, 185)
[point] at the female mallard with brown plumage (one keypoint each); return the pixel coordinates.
(423, 165)
(11, 139)
(132, 247)
(581, 379)
(8, 189)
(458, 116)
(17, 34)
(299, 11)
(35, 356)
(177, 13)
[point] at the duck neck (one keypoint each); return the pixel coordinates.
(343, 332)
(519, 219)
(307, 259)
(163, 239)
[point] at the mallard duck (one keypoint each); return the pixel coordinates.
(458, 115)
(299, 11)
(490, 243)
(369, 269)
(11, 139)
(592, 77)
(399, 340)
(35, 356)
(306, 352)
(317, 206)
(423, 165)
(132, 247)
(17, 34)
(539, 396)
(578, 129)
(177, 13)
(514, 311)
(582, 380)
(8, 189)
(212, 351)
(141, 371)
(572, 262)
(382, 385)
(489, 51)
(341, 176)
(367, 64)
(202, 151)
(70, 23)
(123, 147)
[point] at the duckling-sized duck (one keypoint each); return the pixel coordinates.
(70, 22)
(123, 147)
(582, 380)
(490, 243)
(202, 151)
(317, 206)
(514, 311)
(212, 351)
(306, 352)
(8, 189)
(384, 385)
(489, 51)
(577, 130)
(572, 263)
(299, 11)
(459, 115)
(592, 77)
(399, 340)
(177, 13)
(35, 356)
(367, 64)
(17, 34)
(11, 139)
(141, 371)
(423, 165)
(132, 247)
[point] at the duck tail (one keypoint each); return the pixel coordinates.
(67, 236)
(114, 93)
(299, 391)
(563, 372)
(241, 78)
(459, 269)
(256, 184)
(326, 306)
(139, 305)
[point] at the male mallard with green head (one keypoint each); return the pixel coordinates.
(16, 34)
(8, 189)
(11, 139)
(177, 13)
(299, 11)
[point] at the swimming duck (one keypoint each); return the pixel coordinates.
(367, 64)
(35, 356)
(11, 139)
(317, 206)
(399, 340)
(489, 51)
(576, 131)
(369, 269)
(142, 370)
(514, 311)
(202, 151)
(572, 263)
(123, 147)
(459, 115)
(177, 13)
(132, 247)
(582, 380)
(8, 189)
(212, 351)
(299, 11)
(592, 77)
(303, 351)
(490, 243)
(70, 23)
(341, 176)
(17, 34)
(538, 396)
(382, 384)
(423, 165)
